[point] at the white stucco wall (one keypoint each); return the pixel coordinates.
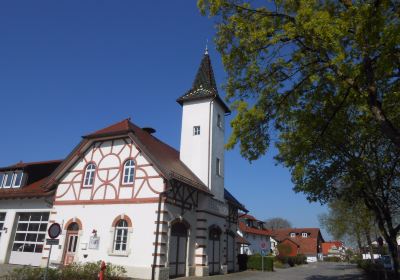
(11, 208)
(199, 152)
(139, 259)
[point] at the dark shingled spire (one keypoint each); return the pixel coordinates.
(204, 85)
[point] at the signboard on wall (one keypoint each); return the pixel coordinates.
(94, 242)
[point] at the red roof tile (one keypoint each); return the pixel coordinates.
(280, 234)
(241, 240)
(38, 173)
(246, 229)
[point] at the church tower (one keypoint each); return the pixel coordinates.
(203, 129)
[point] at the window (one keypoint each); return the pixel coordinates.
(89, 175)
(2, 175)
(129, 172)
(121, 236)
(196, 130)
(2, 218)
(30, 232)
(219, 121)
(218, 167)
(292, 234)
(17, 179)
(304, 234)
(8, 179)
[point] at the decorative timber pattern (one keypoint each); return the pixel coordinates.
(109, 158)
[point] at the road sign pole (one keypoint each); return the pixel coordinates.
(48, 262)
(262, 258)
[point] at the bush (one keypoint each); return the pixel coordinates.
(375, 270)
(255, 262)
(87, 271)
(292, 261)
(332, 259)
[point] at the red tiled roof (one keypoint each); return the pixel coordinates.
(164, 157)
(326, 246)
(246, 229)
(308, 246)
(37, 172)
(247, 216)
(241, 240)
(281, 234)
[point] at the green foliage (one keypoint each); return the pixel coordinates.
(255, 262)
(292, 261)
(332, 259)
(375, 270)
(87, 271)
(325, 74)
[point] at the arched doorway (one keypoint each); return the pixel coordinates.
(214, 250)
(230, 251)
(177, 250)
(71, 243)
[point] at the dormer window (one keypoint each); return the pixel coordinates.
(304, 234)
(11, 179)
(292, 234)
(196, 130)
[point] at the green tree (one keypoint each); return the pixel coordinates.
(325, 74)
(351, 221)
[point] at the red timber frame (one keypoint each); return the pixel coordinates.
(107, 176)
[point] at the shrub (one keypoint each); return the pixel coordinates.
(87, 271)
(255, 262)
(332, 259)
(284, 249)
(292, 261)
(375, 270)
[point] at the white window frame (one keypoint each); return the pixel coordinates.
(196, 130)
(89, 175)
(7, 174)
(15, 179)
(129, 172)
(292, 234)
(2, 179)
(304, 234)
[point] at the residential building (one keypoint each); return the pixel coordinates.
(256, 235)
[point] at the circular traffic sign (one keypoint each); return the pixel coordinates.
(54, 230)
(263, 245)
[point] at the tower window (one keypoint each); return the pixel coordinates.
(196, 130)
(219, 121)
(218, 166)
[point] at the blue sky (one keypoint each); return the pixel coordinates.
(68, 68)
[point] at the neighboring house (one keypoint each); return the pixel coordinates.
(255, 233)
(125, 197)
(24, 211)
(333, 249)
(307, 241)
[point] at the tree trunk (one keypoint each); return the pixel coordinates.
(392, 245)
(371, 248)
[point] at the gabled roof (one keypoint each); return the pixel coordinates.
(281, 234)
(204, 85)
(163, 156)
(257, 231)
(241, 240)
(37, 175)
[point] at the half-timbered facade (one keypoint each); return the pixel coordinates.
(125, 197)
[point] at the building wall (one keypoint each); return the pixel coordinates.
(199, 152)
(12, 208)
(109, 157)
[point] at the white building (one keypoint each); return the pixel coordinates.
(258, 237)
(126, 197)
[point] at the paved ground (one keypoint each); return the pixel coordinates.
(312, 271)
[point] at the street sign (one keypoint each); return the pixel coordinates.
(263, 253)
(54, 230)
(52, 241)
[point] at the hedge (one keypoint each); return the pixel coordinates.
(292, 261)
(87, 271)
(255, 262)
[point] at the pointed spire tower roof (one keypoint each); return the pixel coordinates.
(204, 85)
